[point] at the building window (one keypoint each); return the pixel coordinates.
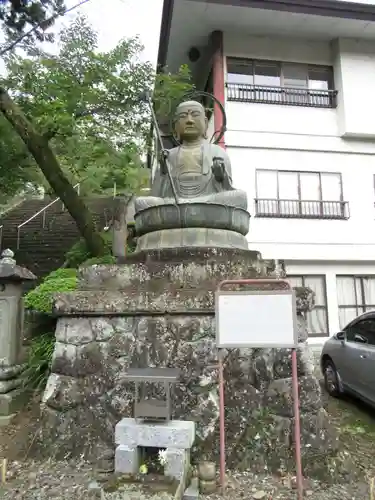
(317, 319)
(280, 83)
(355, 295)
(309, 195)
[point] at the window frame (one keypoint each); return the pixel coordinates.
(300, 200)
(303, 278)
(363, 306)
(298, 96)
(298, 173)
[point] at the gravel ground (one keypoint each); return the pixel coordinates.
(32, 480)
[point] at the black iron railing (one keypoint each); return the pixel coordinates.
(302, 209)
(243, 92)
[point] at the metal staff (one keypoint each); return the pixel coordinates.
(164, 152)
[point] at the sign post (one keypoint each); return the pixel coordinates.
(263, 316)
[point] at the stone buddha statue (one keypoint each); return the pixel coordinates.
(201, 171)
(192, 202)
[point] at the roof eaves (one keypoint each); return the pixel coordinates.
(330, 8)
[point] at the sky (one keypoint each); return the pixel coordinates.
(116, 19)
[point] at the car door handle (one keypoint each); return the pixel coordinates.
(363, 356)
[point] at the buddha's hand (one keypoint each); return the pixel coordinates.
(218, 169)
(163, 161)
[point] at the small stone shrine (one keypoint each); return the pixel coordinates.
(12, 392)
(156, 309)
(152, 427)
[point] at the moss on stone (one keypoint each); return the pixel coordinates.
(40, 298)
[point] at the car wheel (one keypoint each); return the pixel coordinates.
(331, 379)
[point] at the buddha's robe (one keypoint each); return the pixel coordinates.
(191, 171)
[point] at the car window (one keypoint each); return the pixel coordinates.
(362, 332)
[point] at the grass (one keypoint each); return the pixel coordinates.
(39, 361)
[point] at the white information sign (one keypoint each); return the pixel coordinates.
(256, 319)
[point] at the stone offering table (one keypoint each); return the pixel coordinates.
(175, 436)
(157, 309)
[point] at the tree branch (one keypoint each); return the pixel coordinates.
(89, 112)
(50, 134)
(37, 26)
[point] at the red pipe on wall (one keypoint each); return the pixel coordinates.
(218, 82)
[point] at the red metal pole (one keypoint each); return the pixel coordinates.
(222, 422)
(297, 425)
(218, 82)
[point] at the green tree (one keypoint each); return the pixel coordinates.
(80, 116)
(87, 105)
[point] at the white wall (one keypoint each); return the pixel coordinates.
(278, 49)
(308, 139)
(353, 61)
(262, 118)
(354, 68)
(311, 239)
(274, 118)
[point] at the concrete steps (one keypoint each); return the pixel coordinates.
(42, 248)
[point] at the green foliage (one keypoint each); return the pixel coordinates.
(79, 252)
(86, 102)
(40, 298)
(61, 273)
(32, 18)
(170, 89)
(16, 167)
(39, 361)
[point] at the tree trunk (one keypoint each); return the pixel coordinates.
(45, 158)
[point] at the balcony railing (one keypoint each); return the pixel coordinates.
(295, 209)
(243, 92)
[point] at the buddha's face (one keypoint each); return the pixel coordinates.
(190, 121)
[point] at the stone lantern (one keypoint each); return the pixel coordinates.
(12, 276)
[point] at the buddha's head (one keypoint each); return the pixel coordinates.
(190, 122)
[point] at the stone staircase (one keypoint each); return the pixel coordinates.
(41, 244)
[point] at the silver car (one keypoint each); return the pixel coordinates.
(348, 360)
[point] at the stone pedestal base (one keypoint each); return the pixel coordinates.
(199, 224)
(191, 237)
(157, 309)
(7, 420)
(13, 395)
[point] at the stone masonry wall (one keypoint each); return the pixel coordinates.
(87, 395)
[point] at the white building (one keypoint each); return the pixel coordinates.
(297, 79)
